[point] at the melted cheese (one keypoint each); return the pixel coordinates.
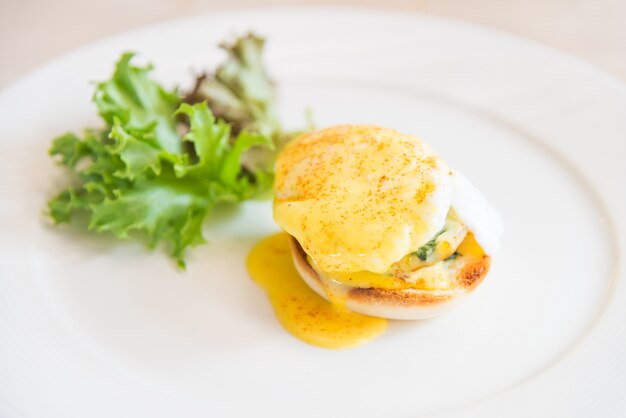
(300, 310)
(439, 275)
(363, 279)
(470, 247)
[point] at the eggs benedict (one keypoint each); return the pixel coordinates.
(379, 224)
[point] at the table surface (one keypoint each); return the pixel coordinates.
(35, 31)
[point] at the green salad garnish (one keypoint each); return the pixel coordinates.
(163, 160)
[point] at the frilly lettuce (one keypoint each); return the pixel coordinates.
(160, 165)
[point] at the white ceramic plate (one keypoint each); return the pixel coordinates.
(93, 327)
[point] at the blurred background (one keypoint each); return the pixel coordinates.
(34, 31)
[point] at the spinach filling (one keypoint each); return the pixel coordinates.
(453, 256)
(427, 249)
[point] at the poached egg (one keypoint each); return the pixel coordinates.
(360, 198)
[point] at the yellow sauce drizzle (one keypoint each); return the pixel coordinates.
(299, 309)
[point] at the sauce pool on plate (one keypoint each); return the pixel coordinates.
(301, 311)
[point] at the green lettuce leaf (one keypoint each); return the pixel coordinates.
(241, 92)
(140, 103)
(219, 156)
(138, 151)
(164, 210)
(138, 175)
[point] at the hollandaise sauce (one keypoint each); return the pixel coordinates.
(301, 311)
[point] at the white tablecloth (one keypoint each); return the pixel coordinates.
(34, 31)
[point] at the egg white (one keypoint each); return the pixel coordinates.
(474, 211)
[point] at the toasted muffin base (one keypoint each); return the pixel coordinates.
(408, 304)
